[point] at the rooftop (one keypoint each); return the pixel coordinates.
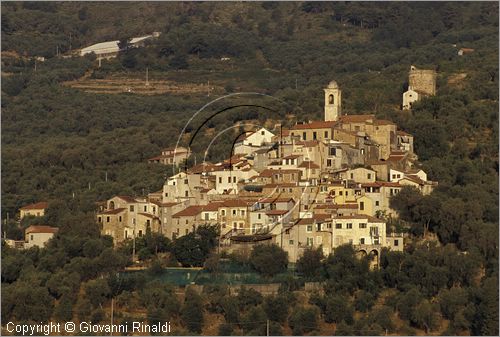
(38, 205)
(41, 229)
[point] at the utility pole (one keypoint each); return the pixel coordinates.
(147, 76)
(267, 328)
(208, 88)
(296, 83)
(69, 41)
(133, 245)
(106, 176)
(112, 309)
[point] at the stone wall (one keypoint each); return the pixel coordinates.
(423, 81)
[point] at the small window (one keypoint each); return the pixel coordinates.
(369, 175)
(145, 208)
(120, 218)
(362, 241)
(99, 219)
(185, 181)
(234, 212)
(396, 242)
(262, 133)
(31, 237)
(140, 233)
(310, 241)
(326, 134)
(187, 231)
(377, 203)
(338, 226)
(131, 208)
(220, 180)
(304, 135)
(309, 228)
(186, 193)
(290, 242)
(362, 206)
(259, 216)
(107, 219)
(223, 212)
(206, 216)
(362, 225)
(315, 136)
(349, 226)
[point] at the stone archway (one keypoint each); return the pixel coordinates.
(361, 253)
(374, 257)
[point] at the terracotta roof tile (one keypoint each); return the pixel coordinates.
(41, 229)
(356, 118)
(38, 205)
(127, 198)
(188, 211)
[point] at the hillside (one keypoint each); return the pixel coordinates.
(74, 133)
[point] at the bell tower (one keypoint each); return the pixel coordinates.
(333, 101)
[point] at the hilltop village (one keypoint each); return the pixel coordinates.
(316, 184)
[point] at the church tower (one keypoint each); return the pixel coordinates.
(333, 101)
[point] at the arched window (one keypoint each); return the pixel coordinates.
(330, 99)
(111, 205)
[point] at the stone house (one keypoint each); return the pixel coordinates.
(36, 209)
(38, 236)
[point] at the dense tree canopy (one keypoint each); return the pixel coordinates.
(73, 148)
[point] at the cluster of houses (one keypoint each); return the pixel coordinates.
(35, 235)
(314, 184)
